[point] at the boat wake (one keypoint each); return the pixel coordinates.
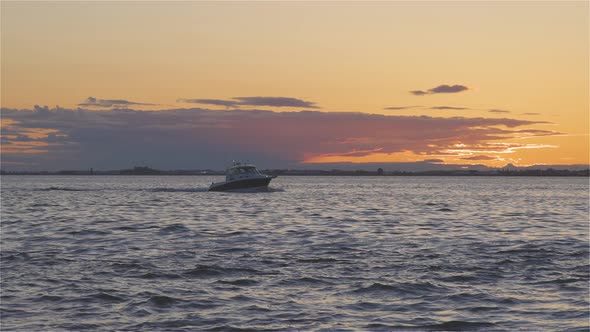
(63, 189)
(253, 190)
(171, 190)
(177, 190)
(164, 190)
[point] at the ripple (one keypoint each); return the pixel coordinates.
(400, 289)
(102, 297)
(159, 275)
(215, 271)
(240, 282)
(163, 300)
(459, 326)
(85, 232)
(50, 298)
(175, 228)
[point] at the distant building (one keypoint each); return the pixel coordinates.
(379, 171)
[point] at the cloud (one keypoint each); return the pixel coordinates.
(23, 138)
(448, 89)
(433, 160)
(441, 89)
(448, 108)
(419, 92)
(480, 157)
(531, 113)
(400, 107)
(219, 102)
(254, 101)
(40, 109)
(107, 103)
(203, 138)
(276, 102)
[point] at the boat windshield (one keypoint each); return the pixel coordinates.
(243, 170)
(250, 170)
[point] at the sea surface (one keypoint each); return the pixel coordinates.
(160, 253)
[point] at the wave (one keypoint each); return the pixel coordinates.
(79, 326)
(201, 271)
(158, 275)
(304, 281)
(102, 297)
(50, 298)
(318, 260)
(88, 232)
(457, 325)
(174, 228)
(239, 282)
(401, 288)
(163, 300)
(446, 326)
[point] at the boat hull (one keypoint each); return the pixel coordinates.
(261, 183)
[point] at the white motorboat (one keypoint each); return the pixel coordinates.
(242, 176)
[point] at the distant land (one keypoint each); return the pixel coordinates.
(478, 170)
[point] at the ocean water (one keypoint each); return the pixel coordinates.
(159, 253)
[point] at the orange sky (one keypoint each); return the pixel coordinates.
(529, 59)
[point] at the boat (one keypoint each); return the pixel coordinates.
(242, 176)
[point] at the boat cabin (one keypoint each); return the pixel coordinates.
(239, 171)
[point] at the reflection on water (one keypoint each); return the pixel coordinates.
(359, 253)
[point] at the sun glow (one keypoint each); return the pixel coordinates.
(489, 154)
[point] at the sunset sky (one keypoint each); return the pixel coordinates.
(185, 85)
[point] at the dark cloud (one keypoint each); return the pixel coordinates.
(22, 138)
(400, 107)
(254, 101)
(39, 109)
(498, 111)
(480, 157)
(51, 137)
(419, 92)
(531, 113)
(433, 160)
(219, 102)
(441, 89)
(448, 89)
(448, 108)
(202, 138)
(107, 103)
(276, 102)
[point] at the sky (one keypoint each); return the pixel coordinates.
(189, 85)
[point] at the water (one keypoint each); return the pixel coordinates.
(160, 253)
